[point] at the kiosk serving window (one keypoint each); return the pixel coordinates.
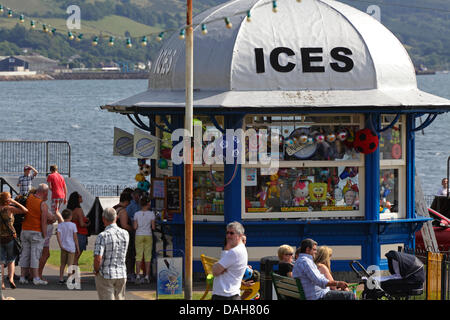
(208, 180)
(318, 175)
(208, 193)
(392, 169)
(391, 140)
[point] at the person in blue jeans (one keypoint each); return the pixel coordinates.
(132, 208)
(315, 285)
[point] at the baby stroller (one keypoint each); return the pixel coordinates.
(406, 279)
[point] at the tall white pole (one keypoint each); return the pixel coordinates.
(188, 167)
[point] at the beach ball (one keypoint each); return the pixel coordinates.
(320, 138)
(366, 141)
(303, 138)
(166, 153)
(342, 135)
(331, 137)
(144, 185)
(162, 163)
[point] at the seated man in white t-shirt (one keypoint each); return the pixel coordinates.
(228, 271)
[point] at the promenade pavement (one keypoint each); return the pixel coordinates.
(55, 291)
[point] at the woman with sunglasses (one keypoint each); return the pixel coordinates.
(286, 257)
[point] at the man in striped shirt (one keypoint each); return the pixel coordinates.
(109, 259)
(25, 181)
(316, 285)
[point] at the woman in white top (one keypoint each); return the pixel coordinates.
(144, 223)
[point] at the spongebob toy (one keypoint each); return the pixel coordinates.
(318, 192)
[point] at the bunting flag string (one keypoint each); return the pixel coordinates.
(143, 40)
(159, 36)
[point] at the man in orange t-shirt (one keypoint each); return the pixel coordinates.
(34, 231)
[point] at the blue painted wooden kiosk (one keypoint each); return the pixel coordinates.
(316, 72)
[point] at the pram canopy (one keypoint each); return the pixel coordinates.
(410, 267)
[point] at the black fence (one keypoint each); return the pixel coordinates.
(39, 154)
(429, 200)
(98, 190)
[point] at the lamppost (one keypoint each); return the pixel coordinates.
(188, 167)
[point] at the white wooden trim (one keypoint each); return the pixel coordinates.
(256, 253)
(385, 248)
(401, 194)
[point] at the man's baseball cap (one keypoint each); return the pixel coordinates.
(26, 168)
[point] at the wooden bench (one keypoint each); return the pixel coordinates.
(247, 292)
(287, 288)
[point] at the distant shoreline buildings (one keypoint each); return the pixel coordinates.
(37, 67)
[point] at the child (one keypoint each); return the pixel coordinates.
(68, 241)
(144, 223)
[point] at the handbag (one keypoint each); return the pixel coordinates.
(17, 243)
(17, 246)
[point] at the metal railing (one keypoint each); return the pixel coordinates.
(98, 190)
(437, 274)
(14, 155)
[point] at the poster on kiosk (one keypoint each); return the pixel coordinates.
(169, 276)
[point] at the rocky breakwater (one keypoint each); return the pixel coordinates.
(98, 75)
(23, 77)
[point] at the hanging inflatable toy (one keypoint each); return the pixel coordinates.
(320, 138)
(304, 146)
(396, 151)
(366, 141)
(142, 183)
(343, 135)
(145, 169)
(303, 138)
(162, 163)
(331, 137)
(139, 177)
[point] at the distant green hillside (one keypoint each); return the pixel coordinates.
(110, 25)
(422, 26)
(422, 30)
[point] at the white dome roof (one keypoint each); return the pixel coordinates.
(225, 59)
(309, 54)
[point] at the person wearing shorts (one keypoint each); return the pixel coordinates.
(144, 223)
(68, 242)
(34, 231)
(57, 186)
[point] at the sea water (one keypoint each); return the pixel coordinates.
(69, 110)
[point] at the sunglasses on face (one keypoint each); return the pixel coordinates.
(288, 254)
(230, 232)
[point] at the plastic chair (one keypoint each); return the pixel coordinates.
(247, 292)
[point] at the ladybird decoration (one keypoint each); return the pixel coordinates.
(366, 141)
